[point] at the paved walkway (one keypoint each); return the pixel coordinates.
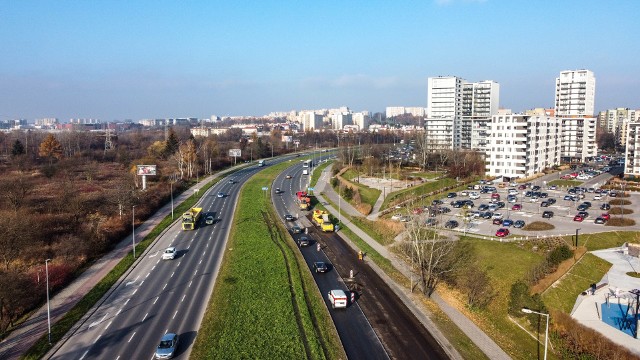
(587, 309)
(26, 334)
(482, 341)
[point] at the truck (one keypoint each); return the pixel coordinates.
(337, 298)
(321, 218)
(262, 163)
(304, 200)
(190, 218)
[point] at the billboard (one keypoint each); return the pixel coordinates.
(146, 170)
(235, 152)
(287, 138)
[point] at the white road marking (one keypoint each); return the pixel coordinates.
(126, 302)
(195, 272)
(174, 315)
(83, 355)
(128, 283)
(183, 296)
(153, 268)
(145, 316)
(96, 340)
(118, 313)
(141, 282)
(134, 292)
(165, 286)
(190, 283)
(148, 275)
(200, 262)
(172, 274)
(132, 335)
(109, 324)
(156, 300)
(155, 254)
(99, 321)
(179, 264)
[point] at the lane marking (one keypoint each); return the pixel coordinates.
(174, 315)
(118, 313)
(83, 355)
(153, 268)
(98, 338)
(156, 300)
(126, 302)
(95, 323)
(145, 317)
(109, 324)
(165, 286)
(183, 296)
(195, 272)
(132, 335)
(142, 282)
(172, 274)
(148, 275)
(190, 283)
(134, 292)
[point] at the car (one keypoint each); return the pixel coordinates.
(320, 267)
(169, 253)
(522, 187)
(551, 201)
(451, 195)
(278, 191)
(296, 230)
(457, 204)
(304, 241)
(543, 195)
(513, 192)
(417, 211)
(405, 218)
(613, 194)
(578, 218)
(588, 203)
(584, 214)
(209, 220)
(500, 204)
(507, 222)
(444, 209)
(597, 197)
(605, 216)
(600, 220)
(464, 193)
(518, 224)
(502, 232)
(516, 207)
(474, 196)
(289, 176)
(497, 216)
(582, 207)
(605, 207)
(483, 207)
(493, 207)
(168, 346)
(221, 194)
(534, 199)
(544, 204)
(232, 181)
(553, 187)
(568, 198)
(512, 200)
(486, 215)
(497, 222)
(437, 202)
(288, 217)
(396, 217)
(535, 188)
(451, 224)
(547, 214)
(431, 221)
(495, 196)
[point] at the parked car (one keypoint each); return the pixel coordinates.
(169, 253)
(551, 201)
(584, 214)
(436, 202)
(495, 196)
(451, 195)
(605, 207)
(578, 218)
(167, 347)
(483, 207)
(451, 224)
(507, 222)
(600, 220)
(502, 232)
(431, 221)
(396, 217)
(320, 267)
(518, 224)
(605, 216)
(497, 222)
(544, 204)
(516, 207)
(496, 216)
(547, 214)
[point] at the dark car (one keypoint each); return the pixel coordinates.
(535, 188)
(451, 224)
(457, 204)
(483, 207)
(507, 222)
(167, 347)
(303, 241)
(444, 209)
(288, 217)
(547, 214)
(544, 204)
(582, 207)
(544, 195)
(551, 201)
(451, 195)
(497, 221)
(320, 267)
(584, 214)
(518, 224)
(296, 229)
(436, 202)
(500, 204)
(605, 207)
(431, 221)
(600, 220)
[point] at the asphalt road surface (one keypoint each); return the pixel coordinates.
(378, 325)
(160, 296)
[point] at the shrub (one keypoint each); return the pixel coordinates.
(538, 226)
(520, 298)
(559, 254)
(348, 193)
(334, 182)
(619, 202)
(619, 211)
(549, 264)
(616, 221)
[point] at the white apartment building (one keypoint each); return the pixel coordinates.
(361, 120)
(522, 145)
(392, 111)
(575, 93)
(310, 121)
(579, 138)
(632, 152)
(415, 111)
(444, 96)
(439, 132)
(616, 120)
(339, 120)
(480, 99)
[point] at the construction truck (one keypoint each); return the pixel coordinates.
(321, 218)
(304, 200)
(190, 218)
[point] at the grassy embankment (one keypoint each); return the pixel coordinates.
(61, 327)
(265, 304)
(418, 190)
(564, 183)
(367, 195)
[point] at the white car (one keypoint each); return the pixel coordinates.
(597, 197)
(464, 193)
(474, 196)
(220, 194)
(497, 216)
(169, 253)
(396, 217)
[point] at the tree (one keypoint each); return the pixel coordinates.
(14, 190)
(18, 148)
(51, 148)
(476, 284)
(606, 141)
(171, 144)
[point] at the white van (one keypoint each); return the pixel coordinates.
(305, 172)
(337, 298)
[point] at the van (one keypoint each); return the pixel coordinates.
(337, 298)
(305, 172)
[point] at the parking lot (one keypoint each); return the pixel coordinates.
(530, 210)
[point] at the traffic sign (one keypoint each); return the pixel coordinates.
(264, 188)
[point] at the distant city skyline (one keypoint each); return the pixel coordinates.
(116, 61)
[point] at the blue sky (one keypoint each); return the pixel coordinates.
(117, 60)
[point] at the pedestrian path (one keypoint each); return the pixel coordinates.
(26, 334)
(482, 341)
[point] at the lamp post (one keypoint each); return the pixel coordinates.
(546, 333)
(133, 225)
(171, 185)
(577, 237)
(46, 268)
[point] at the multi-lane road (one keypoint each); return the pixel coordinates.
(159, 296)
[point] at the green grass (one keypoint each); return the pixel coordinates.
(367, 195)
(61, 327)
(318, 171)
(265, 304)
(416, 191)
(562, 295)
(564, 183)
(426, 175)
(605, 240)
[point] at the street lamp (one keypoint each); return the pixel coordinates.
(577, 237)
(171, 185)
(46, 267)
(546, 333)
(133, 236)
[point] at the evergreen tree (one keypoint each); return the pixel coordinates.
(18, 148)
(172, 143)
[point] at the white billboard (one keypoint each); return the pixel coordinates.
(146, 170)
(287, 138)
(235, 152)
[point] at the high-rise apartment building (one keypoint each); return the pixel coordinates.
(616, 121)
(575, 93)
(632, 150)
(578, 138)
(361, 120)
(480, 99)
(444, 96)
(522, 145)
(310, 121)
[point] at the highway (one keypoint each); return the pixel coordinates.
(160, 296)
(378, 325)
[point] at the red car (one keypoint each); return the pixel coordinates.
(516, 207)
(578, 218)
(522, 187)
(606, 216)
(502, 232)
(497, 221)
(495, 196)
(417, 211)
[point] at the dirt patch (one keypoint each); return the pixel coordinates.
(538, 226)
(616, 221)
(563, 268)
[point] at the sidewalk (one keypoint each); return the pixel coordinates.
(484, 342)
(26, 334)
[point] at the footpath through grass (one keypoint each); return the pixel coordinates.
(418, 190)
(265, 304)
(368, 195)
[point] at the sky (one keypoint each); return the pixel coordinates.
(115, 60)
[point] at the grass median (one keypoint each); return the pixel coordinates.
(265, 304)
